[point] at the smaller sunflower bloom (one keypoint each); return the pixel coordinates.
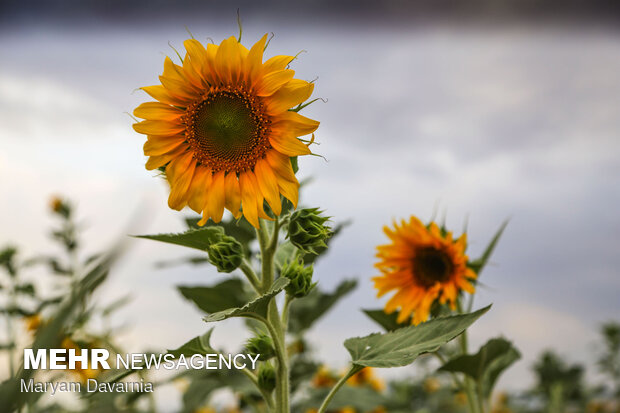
(431, 385)
(83, 373)
(422, 264)
(366, 377)
(33, 322)
(324, 378)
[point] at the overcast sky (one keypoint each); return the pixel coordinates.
(489, 122)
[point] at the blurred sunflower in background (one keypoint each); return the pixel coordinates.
(222, 128)
(423, 264)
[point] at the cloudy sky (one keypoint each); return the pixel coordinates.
(488, 121)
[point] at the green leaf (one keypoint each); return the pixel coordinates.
(240, 229)
(387, 321)
(222, 296)
(257, 307)
(197, 345)
(478, 264)
(486, 365)
(199, 239)
(115, 305)
(304, 312)
(401, 347)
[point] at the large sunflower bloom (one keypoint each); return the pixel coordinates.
(222, 128)
(422, 264)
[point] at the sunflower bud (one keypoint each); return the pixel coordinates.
(261, 346)
(267, 377)
(307, 230)
(301, 278)
(225, 254)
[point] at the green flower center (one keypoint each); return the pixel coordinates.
(227, 130)
(431, 265)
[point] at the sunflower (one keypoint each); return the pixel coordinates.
(222, 128)
(422, 264)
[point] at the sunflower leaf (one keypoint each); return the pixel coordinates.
(219, 297)
(305, 311)
(401, 347)
(257, 307)
(487, 364)
(199, 239)
(478, 264)
(197, 345)
(239, 229)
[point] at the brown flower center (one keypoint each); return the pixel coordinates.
(431, 265)
(227, 130)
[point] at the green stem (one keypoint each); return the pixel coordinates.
(254, 380)
(354, 369)
(249, 273)
(285, 311)
(268, 245)
(472, 397)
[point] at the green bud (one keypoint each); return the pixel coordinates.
(307, 230)
(301, 278)
(267, 377)
(261, 346)
(226, 253)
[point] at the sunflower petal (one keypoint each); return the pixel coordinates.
(216, 197)
(158, 127)
(157, 111)
(228, 60)
(291, 94)
(268, 184)
(274, 81)
(254, 60)
(233, 194)
(288, 145)
(160, 93)
(159, 145)
(249, 193)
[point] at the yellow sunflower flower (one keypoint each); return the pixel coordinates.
(366, 377)
(222, 127)
(422, 265)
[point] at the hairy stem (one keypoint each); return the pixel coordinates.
(268, 245)
(354, 369)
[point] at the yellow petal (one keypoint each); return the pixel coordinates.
(233, 194)
(160, 93)
(294, 123)
(288, 145)
(159, 145)
(155, 162)
(268, 184)
(249, 193)
(281, 166)
(228, 60)
(200, 184)
(277, 63)
(179, 189)
(178, 166)
(157, 111)
(291, 94)
(274, 81)
(254, 60)
(158, 127)
(216, 197)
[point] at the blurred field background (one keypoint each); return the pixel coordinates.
(487, 109)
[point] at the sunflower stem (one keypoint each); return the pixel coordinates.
(473, 401)
(249, 273)
(354, 369)
(268, 245)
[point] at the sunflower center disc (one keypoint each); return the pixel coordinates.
(430, 266)
(228, 130)
(225, 127)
